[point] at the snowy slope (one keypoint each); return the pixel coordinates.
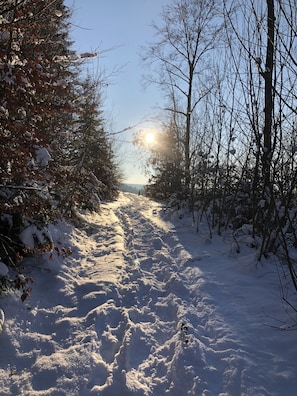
(146, 306)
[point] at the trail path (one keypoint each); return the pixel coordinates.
(145, 306)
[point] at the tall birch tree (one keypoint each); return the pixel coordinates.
(181, 52)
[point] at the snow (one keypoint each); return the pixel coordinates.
(31, 234)
(145, 306)
(42, 156)
(2, 320)
(3, 269)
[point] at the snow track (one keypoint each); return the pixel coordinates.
(142, 308)
(173, 336)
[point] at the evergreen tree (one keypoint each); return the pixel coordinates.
(35, 95)
(92, 156)
(167, 161)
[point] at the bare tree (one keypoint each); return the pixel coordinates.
(178, 58)
(265, 33)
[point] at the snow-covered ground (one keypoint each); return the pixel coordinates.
(147, 306)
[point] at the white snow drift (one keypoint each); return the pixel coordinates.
(147, 306)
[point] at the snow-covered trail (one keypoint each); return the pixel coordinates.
(145, 307)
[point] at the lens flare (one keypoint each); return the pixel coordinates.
(149, 138)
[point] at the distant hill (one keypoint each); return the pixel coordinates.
(133, 188)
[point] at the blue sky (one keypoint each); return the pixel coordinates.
(122, 26)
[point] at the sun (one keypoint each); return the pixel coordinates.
(149, 138)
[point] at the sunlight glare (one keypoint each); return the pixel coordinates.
(149, 138)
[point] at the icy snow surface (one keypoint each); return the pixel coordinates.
(144, 306)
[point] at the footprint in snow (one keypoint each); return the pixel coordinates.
(157, 243)
(184, 332)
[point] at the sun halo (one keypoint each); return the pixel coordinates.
(149, 138)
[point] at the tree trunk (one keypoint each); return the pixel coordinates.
(269, 102)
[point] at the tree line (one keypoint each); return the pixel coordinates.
(227, 71)
(55, 154)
